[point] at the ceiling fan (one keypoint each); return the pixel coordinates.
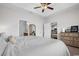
(44, 6)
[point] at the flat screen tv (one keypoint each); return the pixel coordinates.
(74, 28)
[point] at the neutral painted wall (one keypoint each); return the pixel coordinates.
(8, 21)
(65, 18)
(10, 16)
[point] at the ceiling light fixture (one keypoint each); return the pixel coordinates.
(44, 6)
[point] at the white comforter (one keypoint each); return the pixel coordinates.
(36, 46)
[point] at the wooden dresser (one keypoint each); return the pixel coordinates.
(71, 39)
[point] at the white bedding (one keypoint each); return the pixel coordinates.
(36, 46)
(3, 44)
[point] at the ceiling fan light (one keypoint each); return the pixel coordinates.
(45, 7)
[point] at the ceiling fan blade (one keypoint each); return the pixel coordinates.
(43, 3)
(37, 7)
(48, 3)
(50, 8)
(42, 10)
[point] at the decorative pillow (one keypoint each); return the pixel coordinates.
(12, 39)
(3, 35)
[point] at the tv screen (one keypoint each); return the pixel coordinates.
(74, 28)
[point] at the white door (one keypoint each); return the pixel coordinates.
(47, 30)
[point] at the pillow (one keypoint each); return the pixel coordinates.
(3, 35)
(12, 39)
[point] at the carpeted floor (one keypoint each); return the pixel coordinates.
(73, 51)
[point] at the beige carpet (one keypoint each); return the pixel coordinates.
(73, 51)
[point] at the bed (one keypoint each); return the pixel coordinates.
(35, 46)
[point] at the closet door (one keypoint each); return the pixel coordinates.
(47, 30)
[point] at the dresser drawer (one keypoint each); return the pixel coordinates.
(67, 38)
(66, 34)
(76, 43)
(68, 42)
(76, 39)
(74, 34)
(61, 34)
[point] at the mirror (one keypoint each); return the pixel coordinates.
(22, 27)
(32, 30)
(54, 30)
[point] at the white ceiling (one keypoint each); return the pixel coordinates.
(57, 7)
